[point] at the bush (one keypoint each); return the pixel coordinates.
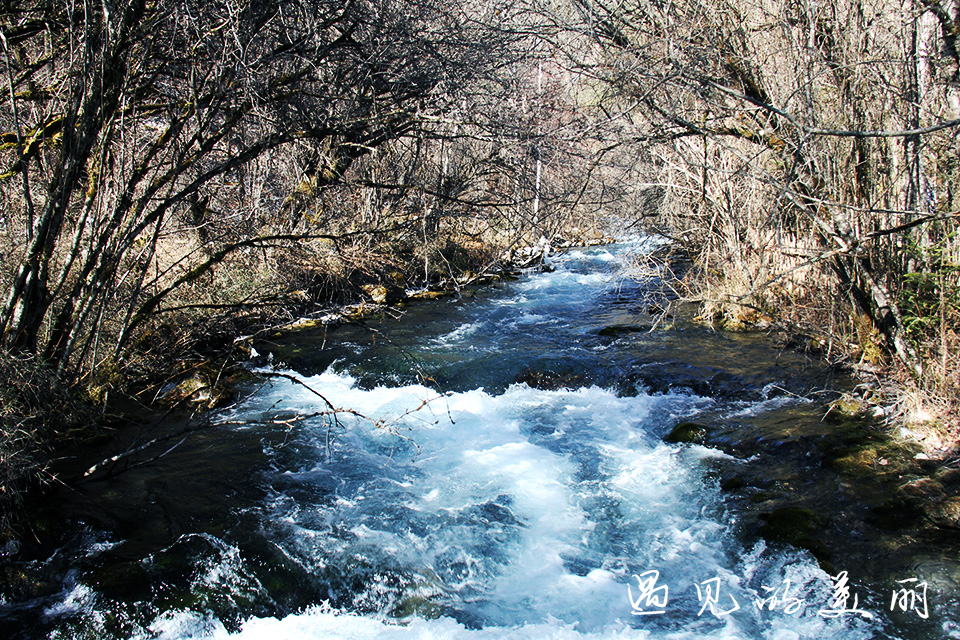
(35, 408)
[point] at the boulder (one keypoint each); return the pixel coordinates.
(382, 294)
(688, 433)
(551, 380)
(797, 526)
(944, 513)
(734, 483)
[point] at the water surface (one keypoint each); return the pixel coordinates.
(498, 470)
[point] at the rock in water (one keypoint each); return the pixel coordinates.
(384, 295)
(688, 433)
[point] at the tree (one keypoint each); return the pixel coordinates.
(796, 137)
(131, 123)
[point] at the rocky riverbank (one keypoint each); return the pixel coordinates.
(837, 481)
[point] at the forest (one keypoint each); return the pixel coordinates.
(174, 173)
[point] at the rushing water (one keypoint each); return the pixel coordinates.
(501, 473)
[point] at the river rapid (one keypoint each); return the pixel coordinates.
(496, 468)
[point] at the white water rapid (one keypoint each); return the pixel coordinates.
(498, 510)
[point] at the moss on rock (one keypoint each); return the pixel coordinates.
(688, 433)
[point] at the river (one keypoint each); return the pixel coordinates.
(496, 469)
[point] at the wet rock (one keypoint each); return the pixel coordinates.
(16, 583)
(944, 513)
(688, 433)
(949, 478)
(175, 567)
(618, 330)
(122, 580)
(551, 380)
(734, 483)
(876, 457)
(914, 500)
(921, 489)
(788, 522)
(493, 513)
(667, 377)
(797, 526)
(382, 294)
(417, 605)
(861, 462)
(418, 595)
(848, 406)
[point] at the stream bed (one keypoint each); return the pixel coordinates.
(498, 465)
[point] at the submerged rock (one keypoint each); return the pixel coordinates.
(617, 330)
(880, 459)
(900, 512)
(688, 433)
(861, 462)
(734, 483)
(551, 380)
(123, 579)
(797, 526)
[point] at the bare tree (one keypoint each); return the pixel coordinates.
(133, 130)
(796, 140)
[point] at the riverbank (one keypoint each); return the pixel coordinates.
(923, 413)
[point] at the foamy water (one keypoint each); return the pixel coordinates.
(507, 512)
(526, 514)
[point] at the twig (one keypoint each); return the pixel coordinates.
(146, 445)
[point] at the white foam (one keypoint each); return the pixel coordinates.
(527, 513)
(320, 623)
(581, 496)
(459, 334)
(79, 597)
